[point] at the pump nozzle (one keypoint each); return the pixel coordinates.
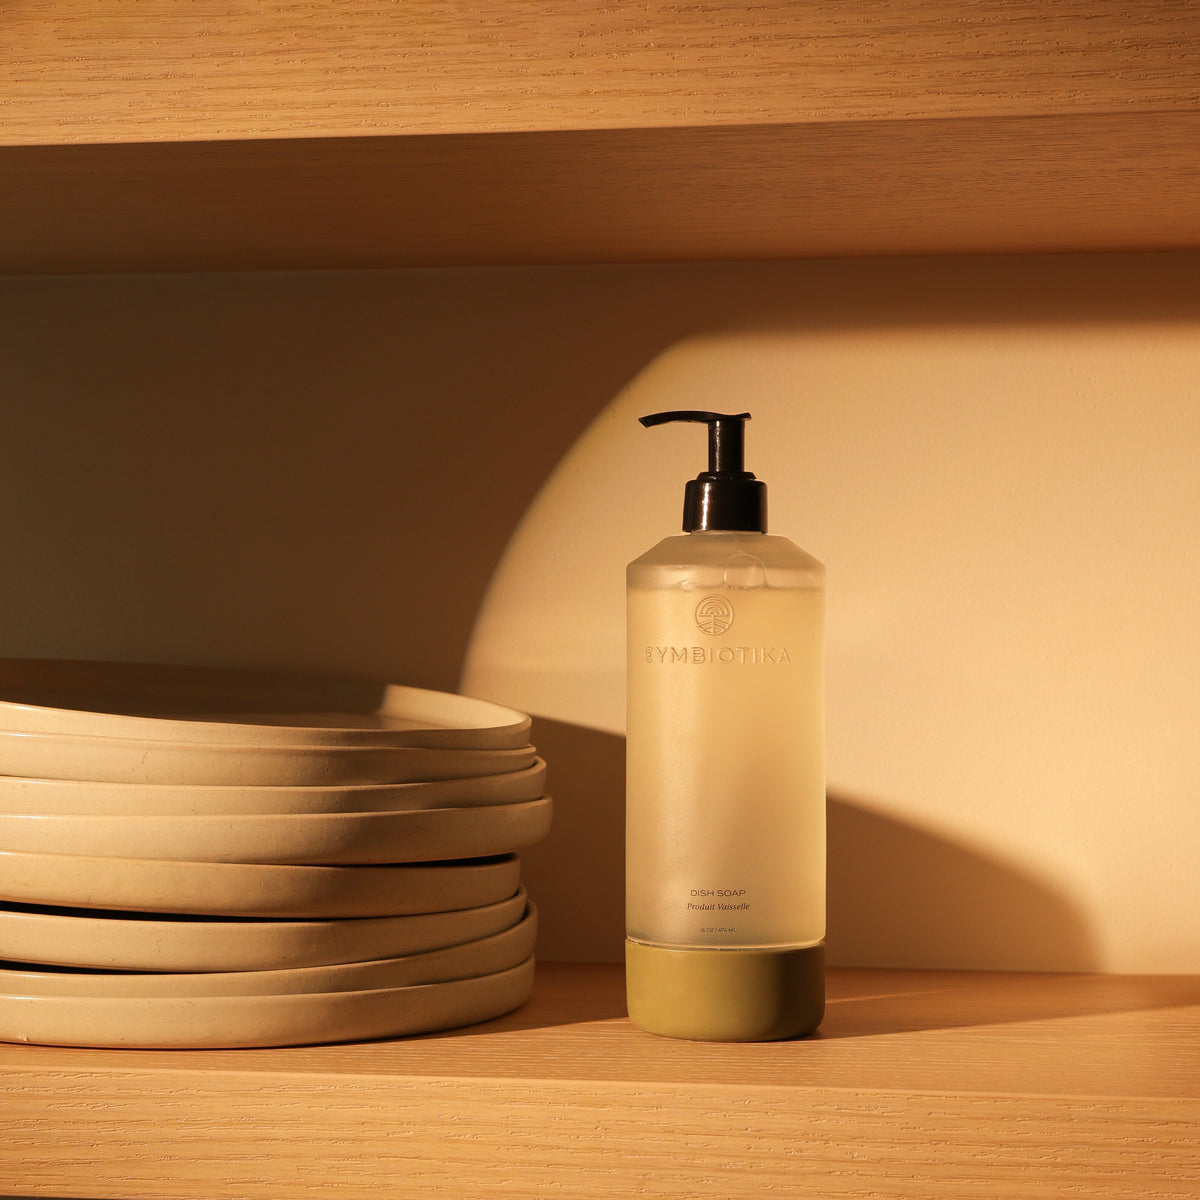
(726, 496)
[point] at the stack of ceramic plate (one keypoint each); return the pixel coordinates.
(197, 857)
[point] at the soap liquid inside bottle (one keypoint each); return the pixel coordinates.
(725, 816)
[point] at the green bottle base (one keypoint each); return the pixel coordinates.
(725, 994)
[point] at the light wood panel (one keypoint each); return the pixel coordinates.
(152, 70)
(920, 1084)
(160, 136)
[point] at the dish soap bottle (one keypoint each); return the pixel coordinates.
(725, 759)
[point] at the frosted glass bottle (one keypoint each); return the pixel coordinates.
(725, 783)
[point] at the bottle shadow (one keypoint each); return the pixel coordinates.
(900, 897)
(903, 896)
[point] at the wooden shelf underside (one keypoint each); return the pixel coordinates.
(906, 187)
(317, 134)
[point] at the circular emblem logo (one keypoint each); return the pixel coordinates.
(714, 615)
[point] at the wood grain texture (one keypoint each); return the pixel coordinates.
(921, 1084)
(167, 136)
(138, 70)
(903, 187)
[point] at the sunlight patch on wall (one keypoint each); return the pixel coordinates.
(1009, 517)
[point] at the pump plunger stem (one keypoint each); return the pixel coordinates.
(726, 436)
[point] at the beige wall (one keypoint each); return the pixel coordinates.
(436, 477)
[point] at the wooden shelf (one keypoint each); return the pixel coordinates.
(919, 1084)
(163, 136)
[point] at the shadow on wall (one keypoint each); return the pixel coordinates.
(898, 895)
(580, 865)
(902, 896)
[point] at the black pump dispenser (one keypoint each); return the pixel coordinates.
(726, 496)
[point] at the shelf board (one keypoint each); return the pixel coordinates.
(90, 71)
(155, 136)
(918, 1084)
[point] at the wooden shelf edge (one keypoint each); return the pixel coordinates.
(163, 71)
(920, 1083)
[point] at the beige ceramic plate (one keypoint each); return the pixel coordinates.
(483, 957)
(114, 941)
(235, 889)
(425, 835)
(207, 704)
(52, 796)
(215, 1022)
(130, 760)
